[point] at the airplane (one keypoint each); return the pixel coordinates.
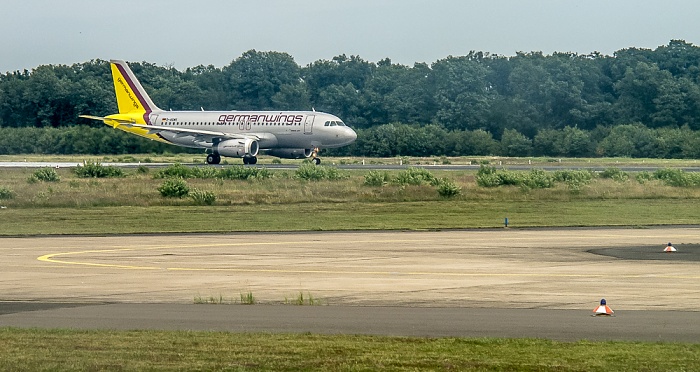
(238, 134)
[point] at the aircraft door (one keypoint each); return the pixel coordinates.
(153, 118)
(309, 124)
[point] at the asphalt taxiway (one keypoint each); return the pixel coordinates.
(500, 282)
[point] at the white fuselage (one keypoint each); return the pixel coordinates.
(274, 129)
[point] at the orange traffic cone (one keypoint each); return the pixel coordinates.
(603, 309)
(670, 248)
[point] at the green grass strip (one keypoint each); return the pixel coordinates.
(53, 350)
(346, 216)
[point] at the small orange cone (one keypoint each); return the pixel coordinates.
(603, 309)
(670, 248)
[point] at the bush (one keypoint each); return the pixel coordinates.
(174, 188)
(97, 170)
(538, 179)
(574, 179)
(310, 172)
(203, 172)
(377, 178)
(415, 176)
(535, 179)
(175, 170)
(486, 176)
(447, 188)
(45, 175)
(573, 176)
(142, 169)
(6, 193)
(615, 174)
(240, 172)
(677, 178)
(201, 197)
(644, 177)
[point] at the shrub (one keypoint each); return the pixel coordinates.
(45, 175)
(510, 178)
(6, 193)
(310, 172)
(333, 174)
(615, 174)
(97, 170)
(574, 179)
(415, 176)
(175, 170)
(202, 197)
(486, 176)
(573, 176)
(535, 179)
(538, 179)
(240, 172)
(677, 178)
(377, 178)
(203, 172)
(447, 188)
(643, 177)
(142, 169)
(174, 188)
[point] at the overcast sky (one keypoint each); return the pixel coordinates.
(187, 33)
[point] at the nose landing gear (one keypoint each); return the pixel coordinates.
(314, 156)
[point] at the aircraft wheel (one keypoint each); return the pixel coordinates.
(317, 161)
(213, 159)
(246, 160)
(253, 160)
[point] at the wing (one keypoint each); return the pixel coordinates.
(197, 134)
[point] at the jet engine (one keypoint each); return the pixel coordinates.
(291, 153)
(237, 148)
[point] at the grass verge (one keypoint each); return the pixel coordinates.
(345, 216)
(51, 350)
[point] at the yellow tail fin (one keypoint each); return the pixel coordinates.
(131, 97)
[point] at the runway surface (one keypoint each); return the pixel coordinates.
(501, 283)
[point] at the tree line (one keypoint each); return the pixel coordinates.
(390, 140)
(636, 102)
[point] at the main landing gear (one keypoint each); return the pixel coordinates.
(216, 159)
(213, 159)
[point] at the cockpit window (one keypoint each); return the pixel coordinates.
(333, 123)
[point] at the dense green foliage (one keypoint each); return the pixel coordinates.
(311, 172)
(44, 175)
(6, 193)
(174, 188)
(229, 173)
(97, 170)
(202, 197)
(636, 103)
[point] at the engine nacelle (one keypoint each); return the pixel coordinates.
(237, 148)
(291, 153)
